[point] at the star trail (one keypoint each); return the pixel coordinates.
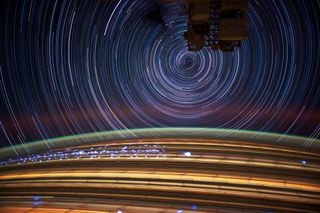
(81, 66)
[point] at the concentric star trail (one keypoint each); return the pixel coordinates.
(72, 67)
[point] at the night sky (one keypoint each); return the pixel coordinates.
(78, 66)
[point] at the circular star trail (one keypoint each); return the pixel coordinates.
(71, 67)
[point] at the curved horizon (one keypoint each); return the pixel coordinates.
(161, 132)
